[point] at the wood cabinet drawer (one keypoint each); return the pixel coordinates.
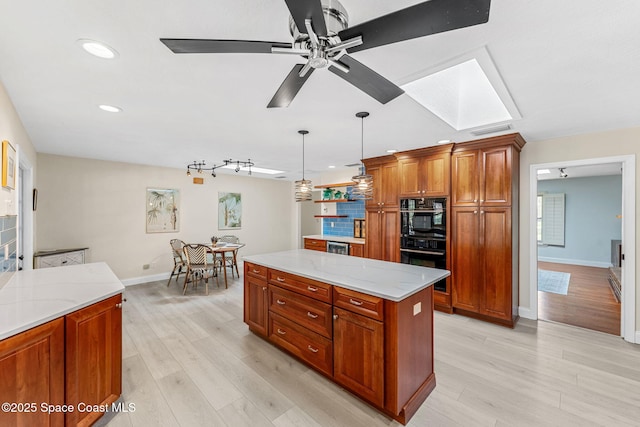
(311, 288)
(307, 312)
(307, 345)
(255, 270)
(315, 244)
(367, 305)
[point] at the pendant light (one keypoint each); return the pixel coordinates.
(363, 183)
(303, 186)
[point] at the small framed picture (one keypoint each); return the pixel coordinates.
(8, 165)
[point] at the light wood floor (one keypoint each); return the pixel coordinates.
(589, 302)
(190, 361)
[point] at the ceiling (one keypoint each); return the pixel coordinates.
(582, 171)
(570, 67)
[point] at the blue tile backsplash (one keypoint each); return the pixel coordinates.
(343, 226)
(8, 243)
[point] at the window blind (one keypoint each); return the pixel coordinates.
(553, 219)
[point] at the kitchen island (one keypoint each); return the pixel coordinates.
(60, 345)
(365, 324)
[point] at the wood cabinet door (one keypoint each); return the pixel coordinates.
(373, 245)
(388, 194)
(466, 259)
(358, 355)
(93, 359)
(356, 249)
(464, 178)
(383, 235)
(32, 372)
(409, 174)
(436, 173)
(256, 300)
(496, 179)
(391, 235)
(495, 235)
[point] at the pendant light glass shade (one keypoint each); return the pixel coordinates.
(363, 183)
(303, 186)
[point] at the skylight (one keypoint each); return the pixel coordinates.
(466, 92)
(254, 169)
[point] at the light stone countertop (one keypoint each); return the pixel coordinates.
(388, 280)
(342, 239)
(33, 297)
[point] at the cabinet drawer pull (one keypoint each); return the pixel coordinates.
(312, 289)
(315, 350)
(335, 317)
(281, 332)
(119, 305)
(256, 271)
(280, 279)
(475, 212)
(311, 315)
(354, 302)
(264, 289)
(279, 301)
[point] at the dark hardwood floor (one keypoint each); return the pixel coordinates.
(589, 302)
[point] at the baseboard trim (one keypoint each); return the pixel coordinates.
(145, 279)
(527, 313)
(584, 263)
(637, 341)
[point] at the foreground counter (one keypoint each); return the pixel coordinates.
(60, 345)
(366, 324)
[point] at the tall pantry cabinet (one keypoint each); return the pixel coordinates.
(484, 228)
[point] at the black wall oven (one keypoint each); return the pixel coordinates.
(423, 234)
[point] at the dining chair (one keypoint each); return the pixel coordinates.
(197, 266)
(232, 262)
(178, 261)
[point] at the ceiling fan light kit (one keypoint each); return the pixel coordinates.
(303, 186)
(322, 36)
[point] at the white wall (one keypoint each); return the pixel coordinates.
(579, 147)
(12, 130)
(101, 205)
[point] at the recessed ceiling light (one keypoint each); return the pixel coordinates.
(98, 49)
(543, 171)
(392, 151)
(332, 167)
(444, 141)
(110, 108)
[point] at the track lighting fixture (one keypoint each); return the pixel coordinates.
(201, 166)
(563, 174)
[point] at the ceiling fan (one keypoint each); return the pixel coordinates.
(322, 36)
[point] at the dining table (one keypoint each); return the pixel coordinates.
(223, 250)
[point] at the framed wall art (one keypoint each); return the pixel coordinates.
(8, 165)
(229, 211)
(163, 213)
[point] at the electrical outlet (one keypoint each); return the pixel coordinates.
(333, 224)
(145, 266)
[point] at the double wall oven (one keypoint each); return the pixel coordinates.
(423, 234)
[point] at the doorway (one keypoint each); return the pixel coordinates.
(586, 278)
(26, 207)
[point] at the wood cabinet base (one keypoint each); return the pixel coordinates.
(491, 319)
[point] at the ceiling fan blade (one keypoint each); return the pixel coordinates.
(289, 87)
(367, 80)
(221, 46)
(308, 9)
(423, 19)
